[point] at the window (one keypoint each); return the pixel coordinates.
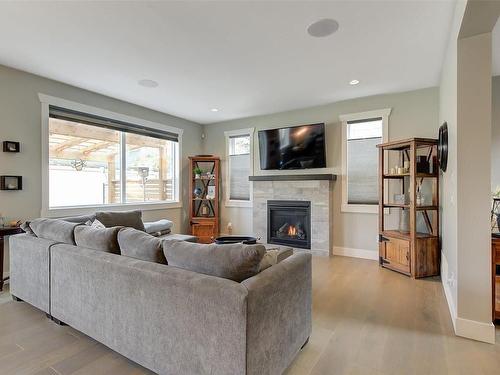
(360, 134)
(100, 161)
(239, 147)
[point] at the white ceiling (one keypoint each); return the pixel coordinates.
(246, 58)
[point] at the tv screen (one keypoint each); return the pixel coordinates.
(297, 147)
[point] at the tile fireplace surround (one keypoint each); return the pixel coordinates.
(318, 192)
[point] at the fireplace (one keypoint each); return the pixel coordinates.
(289, 223)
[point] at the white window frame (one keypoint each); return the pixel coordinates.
(47, 211)
(228, 135)
(381, 113)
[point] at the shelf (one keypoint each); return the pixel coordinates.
(395, 268)
(418, 208)
(403, 175)
(294, 177)
(395, 205)
(405, 235)
(412, 252)
(427, 208)
(405, 144)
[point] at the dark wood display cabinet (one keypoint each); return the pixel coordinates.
(204, 203)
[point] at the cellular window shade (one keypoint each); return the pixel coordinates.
(238, 177)
(103, 122)
(362, 160)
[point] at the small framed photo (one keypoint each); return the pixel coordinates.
(11, 146)
(211, 192)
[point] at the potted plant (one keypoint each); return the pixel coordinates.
(197, 172)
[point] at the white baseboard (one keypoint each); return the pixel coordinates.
(447, 291)
(475, 330)
(470, 329)
(320, 253)
(355, 253)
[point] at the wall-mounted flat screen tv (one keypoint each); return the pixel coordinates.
(297, 147)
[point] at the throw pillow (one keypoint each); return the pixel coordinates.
(132, 219)
(236, 262)
(158, 226)
(102, 239)
(54, 229)
(136, 244)
(27, 229)
(94, 223)
(274, 256)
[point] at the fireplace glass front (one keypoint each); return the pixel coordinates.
(289, 223)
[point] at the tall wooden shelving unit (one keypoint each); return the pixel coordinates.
(414, 252)
(204, 226)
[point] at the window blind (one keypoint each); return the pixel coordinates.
(103, 122)
(362, 160)
(238, 177)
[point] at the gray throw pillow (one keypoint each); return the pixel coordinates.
(54, 229)
(136, 244)
(236, 262)
(132, 219)
(27, 229)
(102, 239)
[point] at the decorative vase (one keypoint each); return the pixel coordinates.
(404, 220)
(197, 192)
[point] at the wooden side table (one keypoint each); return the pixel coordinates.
(5, 231)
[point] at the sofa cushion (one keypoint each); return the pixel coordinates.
(79, 219)
(236, 262)
(132, 219)
(102, 239)
(54, 229)
(137, 244)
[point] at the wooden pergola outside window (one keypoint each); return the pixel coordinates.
(79, 148)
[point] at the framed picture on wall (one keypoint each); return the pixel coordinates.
(11, 146)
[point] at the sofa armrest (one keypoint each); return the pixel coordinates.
(279, 314)
(29, 269)
(158, 226)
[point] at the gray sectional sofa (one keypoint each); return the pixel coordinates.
(169, 319)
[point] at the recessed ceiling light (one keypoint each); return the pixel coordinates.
(322, 28)
(215, 110)
(148, 83)
(354, 82)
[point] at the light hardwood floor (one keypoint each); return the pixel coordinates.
(366, 320)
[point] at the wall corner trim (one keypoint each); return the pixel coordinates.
(355, 253)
